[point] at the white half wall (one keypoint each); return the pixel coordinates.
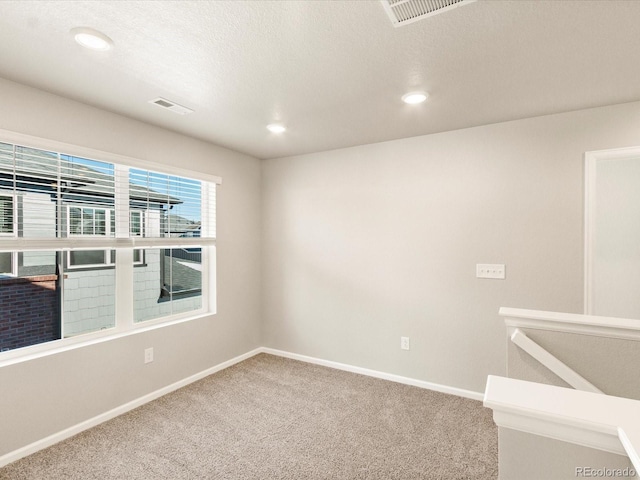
(45, 396)
(524, 456)
(367, 244)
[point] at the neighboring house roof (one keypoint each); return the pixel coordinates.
(45, 170)
(183, 225)
(185, 274)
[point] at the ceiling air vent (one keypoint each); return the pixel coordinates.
(403, 12)
(172, 106)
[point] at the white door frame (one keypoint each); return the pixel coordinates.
(591, 160)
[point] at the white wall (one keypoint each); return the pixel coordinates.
(41, 397)
(366, 244)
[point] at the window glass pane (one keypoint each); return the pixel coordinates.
(87, 221)
(136, 223)
(183, 270)
(185, 218)
(36, 180)
(6, 263)
(30, 301)
(47, 183)
(89, 296)
(6, 165)
(75, 221)
(93, 190)
(40, 306)
(6, 214)
(169, 283)
(173, 204)
(80, 258)
(101, 223)
(148, 299)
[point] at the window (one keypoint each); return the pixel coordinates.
(7, 263)
(90, 231)
(90, 258)
(6, 215)
(136, 225)
(89, 221)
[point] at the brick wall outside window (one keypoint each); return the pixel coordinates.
(29, 312)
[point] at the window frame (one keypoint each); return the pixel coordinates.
(90, 266)
(143, 216)
(106, 254)
(124, 311)
(108, 213)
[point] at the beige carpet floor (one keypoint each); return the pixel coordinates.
(274, 418)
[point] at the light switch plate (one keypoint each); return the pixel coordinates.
(495, 271)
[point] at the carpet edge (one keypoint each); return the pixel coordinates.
(459, 392)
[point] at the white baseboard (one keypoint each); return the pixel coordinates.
(460, 392)
(103, 417)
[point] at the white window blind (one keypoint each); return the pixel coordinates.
(67, 202)
(180, 197)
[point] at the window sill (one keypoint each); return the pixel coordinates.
(7, 280)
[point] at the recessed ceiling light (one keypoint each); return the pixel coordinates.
(92, 39)
(276, 128)
(413, 98)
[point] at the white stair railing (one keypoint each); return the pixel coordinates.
(559, 368)
(583, 416)
(517, 320)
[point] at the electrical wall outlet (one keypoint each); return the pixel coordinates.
(148, 355)
(490, 270)
(404, 343)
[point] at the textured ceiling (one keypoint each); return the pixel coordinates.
(332, 71)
